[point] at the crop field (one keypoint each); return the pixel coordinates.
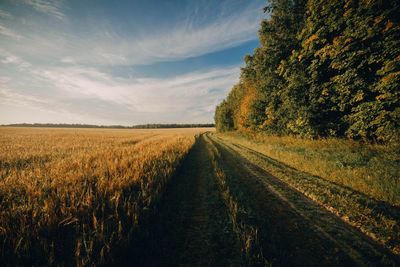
(73, 196)
(191, 197)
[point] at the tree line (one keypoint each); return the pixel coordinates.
(323, 68)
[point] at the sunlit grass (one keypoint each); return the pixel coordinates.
(74, 196)
(333, 174)
(370, 169)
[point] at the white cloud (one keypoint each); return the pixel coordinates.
(10, 96)
(9, 33)
(184, 97)
(4, 79)
(4, 14)
(106, 46)
(185, 41)
(57, 68)
(67, 60)
(9, 58)
(22, 108)
(52, 8)
(142, 95)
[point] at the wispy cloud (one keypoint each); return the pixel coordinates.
(4, 14)
(143, 95)
(11, 96)
(105, 45)
(186, 95)
(76, 63)
(9, 33)
(18, 108)
(9, 58)
(52, 8)
(185, 41)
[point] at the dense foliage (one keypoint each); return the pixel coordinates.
(323, 68)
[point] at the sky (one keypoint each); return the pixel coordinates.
(121, 62)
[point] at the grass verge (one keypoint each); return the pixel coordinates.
(373, 170)
(378, 219)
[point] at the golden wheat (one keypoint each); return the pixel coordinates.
(72, 196)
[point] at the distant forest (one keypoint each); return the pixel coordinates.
(141, 126)
(323, 68)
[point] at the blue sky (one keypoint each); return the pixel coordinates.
(121, 62)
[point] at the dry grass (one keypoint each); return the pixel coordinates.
(75, 196)
(370, 169)
(359, 183)
(246, 232)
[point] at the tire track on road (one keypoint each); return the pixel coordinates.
(310, 234)
(223, 209)
(192, 225)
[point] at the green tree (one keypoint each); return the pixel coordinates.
(322, 69)
(223, 117)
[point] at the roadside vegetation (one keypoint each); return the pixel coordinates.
(77, 196)
(317, 106)
(369, 169)
(247, 233)
(86, 197)
(225, 207)
(358, 183)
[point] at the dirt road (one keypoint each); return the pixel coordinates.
(222, 209)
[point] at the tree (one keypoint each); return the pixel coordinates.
(323, 69)
(223, 117)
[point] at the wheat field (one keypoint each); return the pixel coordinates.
(76, 196)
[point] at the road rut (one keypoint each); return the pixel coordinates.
(217, 195)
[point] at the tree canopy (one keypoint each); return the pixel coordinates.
(323, 68)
